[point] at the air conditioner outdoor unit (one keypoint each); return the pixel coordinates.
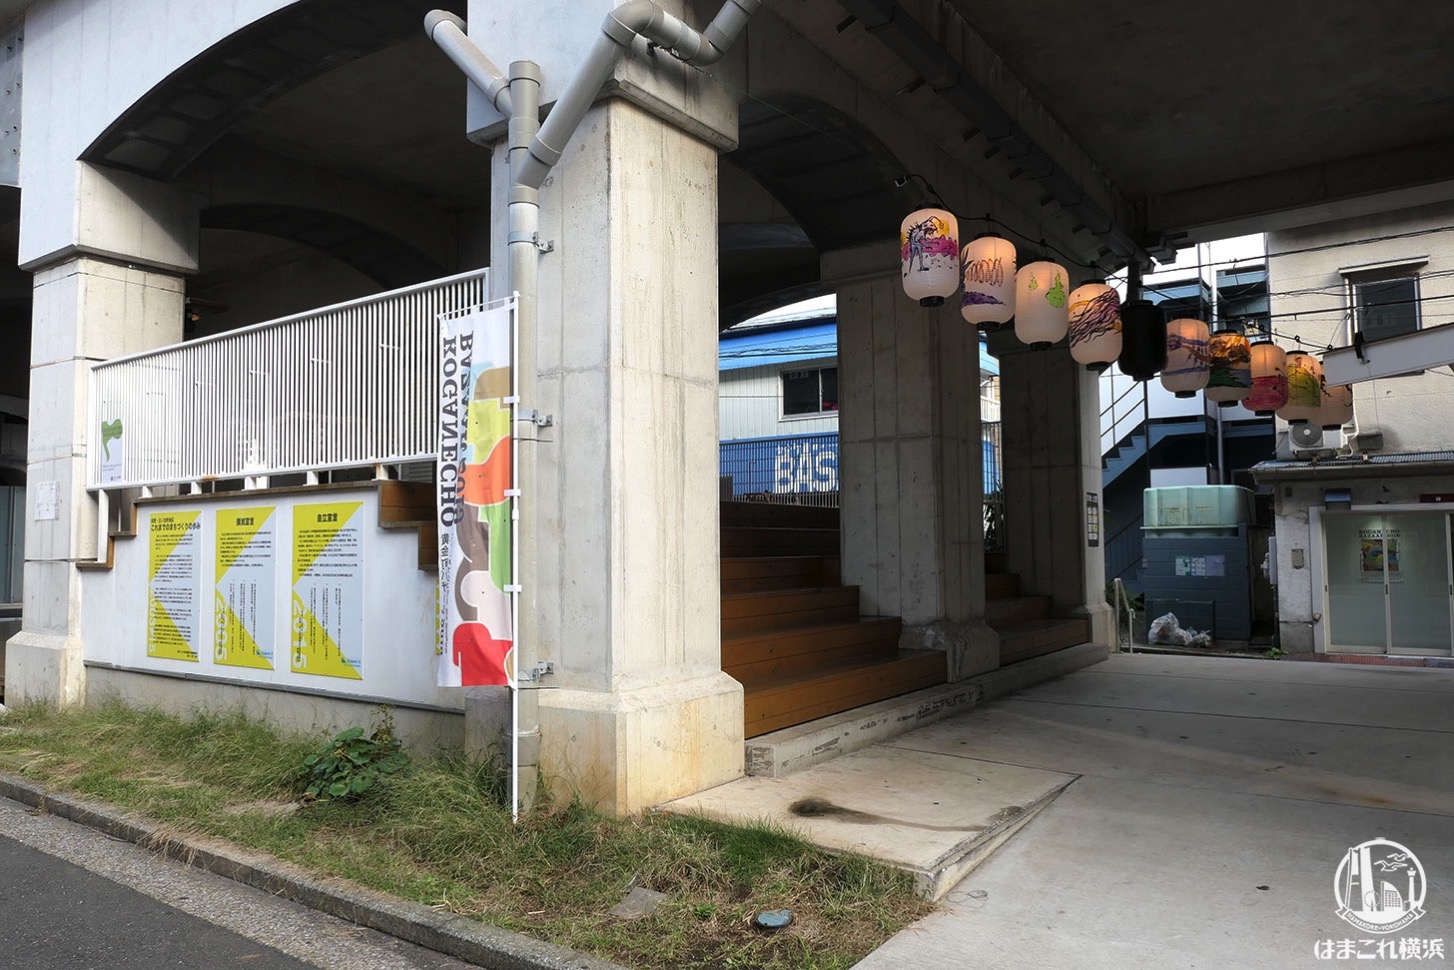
(1307, 440)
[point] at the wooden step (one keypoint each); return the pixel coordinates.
(1000, 585)
(781, 701)
(769, 541)
(777, 516)
(779, 609)
(1010, 611)
(751, 573)
(404, 505)
(754, 656)
(1039, 637)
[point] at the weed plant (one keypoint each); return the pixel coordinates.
(438, 833)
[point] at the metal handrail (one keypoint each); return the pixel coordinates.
(1120, 598)
(1111, 434)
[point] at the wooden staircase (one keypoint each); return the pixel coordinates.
(791, 633)
(1024, 623)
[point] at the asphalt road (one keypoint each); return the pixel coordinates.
(73, 899)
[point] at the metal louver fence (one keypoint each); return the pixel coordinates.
(354, 384)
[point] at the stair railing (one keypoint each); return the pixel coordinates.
(1130, 415)
(1121, 600)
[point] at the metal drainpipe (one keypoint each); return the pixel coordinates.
(638, 18)
(524, 225)
(531, 158)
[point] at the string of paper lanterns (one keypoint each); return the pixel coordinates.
(1225, 366)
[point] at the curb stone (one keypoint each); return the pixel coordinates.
(447, 933)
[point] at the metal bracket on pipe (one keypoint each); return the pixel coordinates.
(542, 246)
(536, 418)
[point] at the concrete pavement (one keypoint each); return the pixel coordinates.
(73, 899)
(1211, 801)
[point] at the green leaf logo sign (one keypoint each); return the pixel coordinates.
(110, 431)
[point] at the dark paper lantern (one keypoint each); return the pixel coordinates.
(1143, 340)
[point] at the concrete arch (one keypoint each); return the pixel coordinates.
(387, 260)
(828, 173)
(825, 167)
(166, 129)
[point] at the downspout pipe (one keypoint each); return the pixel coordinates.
(524, 260)
(636, 18)
(448, 32)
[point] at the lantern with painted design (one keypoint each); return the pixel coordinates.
(1337, 409)
(988, 271)
(1042, 303)
(1269, 379)
(1095, 325)
(1304, 389)
(929, 255)
(1186, 357)
(1229, 357)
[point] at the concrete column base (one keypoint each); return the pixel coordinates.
(44, 668)
(625, 751)
(971, 646)
(1102, 622)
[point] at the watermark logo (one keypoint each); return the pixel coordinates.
(1380, 886)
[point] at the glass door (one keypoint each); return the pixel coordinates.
(1390, 583)
(1357, 605)
(1417, 566)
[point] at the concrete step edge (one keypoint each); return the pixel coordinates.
(937, 880)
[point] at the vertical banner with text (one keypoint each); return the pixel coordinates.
(327, 628)
(173, 575)
(476, 509)
(246, 571)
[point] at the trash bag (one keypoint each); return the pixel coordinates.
(1167, 630)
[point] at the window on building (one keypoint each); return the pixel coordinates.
(1384, 308)
(810, 391)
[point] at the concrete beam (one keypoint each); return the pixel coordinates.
(1393, 357)
(920, 50)
(1340, 189)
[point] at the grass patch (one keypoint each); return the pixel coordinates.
(437, 834)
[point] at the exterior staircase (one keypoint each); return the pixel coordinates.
(791, 631)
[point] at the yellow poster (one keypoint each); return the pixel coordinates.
(246, 573)
(173, 576)
(327, 613)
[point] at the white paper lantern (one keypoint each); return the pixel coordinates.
(1187, 369)
(929, 255)
(1229, 357)
(1042, 303)
(1304, 389)
(1269, 379)
(1095, 325)
(988, 265)
(1337, 409)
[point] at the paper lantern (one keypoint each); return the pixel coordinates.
(1304, 389)
(1186, 368)
(1229, 357)
(1269, 379)
(1143, 340)
(1337, 409)
(1095, 325)
(988, 265)
(1042, 304)
(929, 255)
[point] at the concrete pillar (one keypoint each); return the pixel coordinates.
(1050, 428)
(626, 576)
(911, 461)
(86, 309)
